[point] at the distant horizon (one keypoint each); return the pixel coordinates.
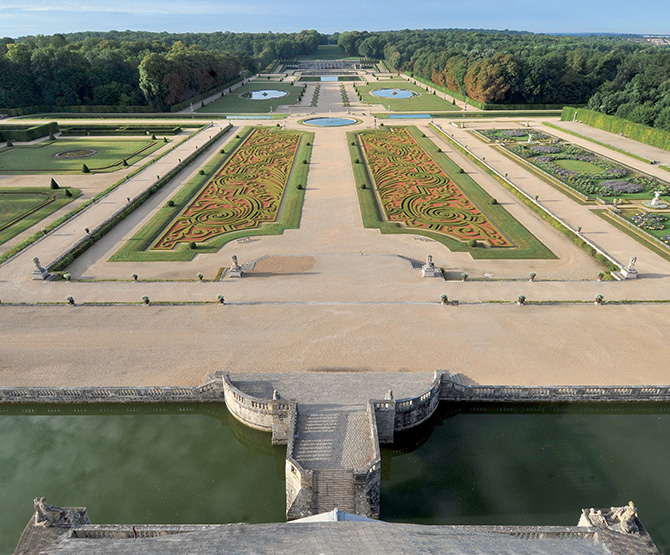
(48, 17)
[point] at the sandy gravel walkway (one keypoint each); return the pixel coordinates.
(333, 295)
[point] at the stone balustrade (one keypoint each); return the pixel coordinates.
(453, 390)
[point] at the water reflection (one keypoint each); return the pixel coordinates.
(533, 465)
(190, 463)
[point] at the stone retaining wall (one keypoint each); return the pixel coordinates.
(299, 481)
(261, 414)
(453, 390)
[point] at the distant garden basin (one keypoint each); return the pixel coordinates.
(393, 93)
(266, 94)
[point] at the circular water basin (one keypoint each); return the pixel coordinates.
(393, 93)
(266, 94)
(329, 122)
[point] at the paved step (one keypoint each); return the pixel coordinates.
(334, 488)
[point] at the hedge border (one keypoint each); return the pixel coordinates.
(635, 131)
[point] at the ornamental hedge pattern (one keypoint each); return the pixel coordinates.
(245, 193)
(417, 193)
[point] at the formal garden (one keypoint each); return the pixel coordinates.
(249, 98)
(60, 156)
(408, 98)
(408, 185)
(254, 186)
(23, 207)
(577, 168)
(656, 224)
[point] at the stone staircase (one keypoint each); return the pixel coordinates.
(334, 488)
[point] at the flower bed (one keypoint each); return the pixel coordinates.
(585, 171)
(647, 221)
(246, 192)
(513, 134)
(417, 193)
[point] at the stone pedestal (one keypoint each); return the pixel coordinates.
(235, 272)
(40, 273)
(628, 272)
(429, 270)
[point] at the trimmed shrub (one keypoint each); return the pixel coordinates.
(493, 201)
(472, 243)
(10, 143)
(85, 169)
(53, 184)
(192, 245)
(299, 187)
(68, 193)
(202, 172)
(170, 203)
(363, 186)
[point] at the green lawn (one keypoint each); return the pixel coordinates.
(579, 166)
(527, 246)
(235, 103)
(109, 155)
(138, 248)
(21, 208)
(424, 102)
(328, 52)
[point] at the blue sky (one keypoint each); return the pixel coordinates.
(29, 17)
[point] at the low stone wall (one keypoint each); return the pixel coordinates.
(299, 481)
(453, 390)
(367, 481)
(402, 414)
(412, 412)
(212, 390)
(260, 414)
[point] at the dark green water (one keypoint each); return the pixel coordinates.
(196, 464)
(156, 464)
(531, 466)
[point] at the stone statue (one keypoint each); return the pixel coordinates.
(656, 200)
(37, 263)
(633, 260)
(275, 395)
(619, 519)
(50, 515)
(429, 260)
(625, 517)
(235, 268)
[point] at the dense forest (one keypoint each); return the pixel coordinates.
(134, 68)
(612, 74)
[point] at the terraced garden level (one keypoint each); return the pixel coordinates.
(416, 192)
(68, 155)
(246, 192)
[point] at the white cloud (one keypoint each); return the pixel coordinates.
(140, 7)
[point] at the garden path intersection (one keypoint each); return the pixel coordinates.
(335, 295)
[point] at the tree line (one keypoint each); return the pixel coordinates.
(134, 68)
(612, 74)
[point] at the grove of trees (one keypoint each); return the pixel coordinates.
(616, 75)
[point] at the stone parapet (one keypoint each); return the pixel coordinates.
(267, 415)
(453, 390)
(210, 391)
